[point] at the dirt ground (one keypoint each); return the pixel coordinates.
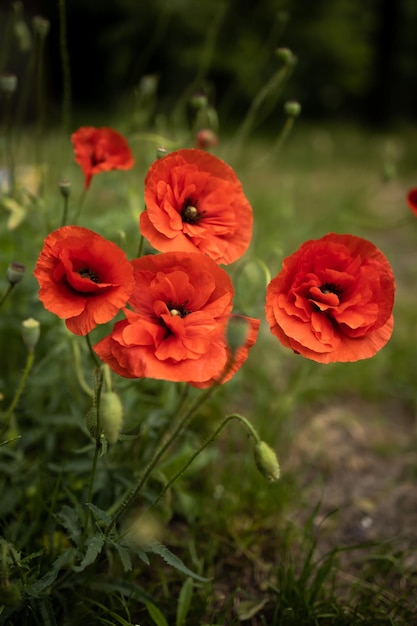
(360, 462)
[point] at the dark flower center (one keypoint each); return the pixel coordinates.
(190, 213)
(96, 158)
(331, 288)
(178, 310)
(85, 272)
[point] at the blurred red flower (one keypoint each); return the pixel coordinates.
(333, 300)
(206, 139)
(412, 200)
(83, 278)
(177, 329)
(100, 150)
(195, 203)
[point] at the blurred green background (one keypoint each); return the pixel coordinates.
(355, 59)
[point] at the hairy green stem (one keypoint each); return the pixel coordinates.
(92, 353)
(80, 205)
(6, 294)
(65, 211)
(252, 117)
(78, 369)
(234, 416)
(23, 380)
(97, 399)
(132, 496)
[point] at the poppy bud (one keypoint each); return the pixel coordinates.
(111, 414)
(161, 151)
(292, 108)
(15, 272)
(266, 461)
(31, 330)
(285, 55)
(8, 83)
(65, 188)
(198, 101)
(41, 25)
(206, 139)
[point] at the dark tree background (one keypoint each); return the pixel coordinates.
(355, 59)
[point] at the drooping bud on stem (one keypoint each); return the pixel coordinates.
(266, 461)
(111, 414)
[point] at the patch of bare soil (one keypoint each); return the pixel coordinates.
(360, 462)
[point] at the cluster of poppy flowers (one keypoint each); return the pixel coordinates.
(332, 300)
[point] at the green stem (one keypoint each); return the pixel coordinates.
(23, 380)
(80, 205)
(66, 69)
(140, 247)
(6, 294)
(65, 211)
(78, 369)
(92, 353)
(207, 442)
(131, 497)
(272, 86)
(97, 449)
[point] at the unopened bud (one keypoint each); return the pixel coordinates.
(15, 272)
(8, 83)
(31, 330)
(285, 55)
(41, 25)
(266, 461)
(292, 108)
(65, 188)
(198, 101)
(111, 415)
(206, 139)
(161, 151)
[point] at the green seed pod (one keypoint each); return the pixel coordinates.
(292, 108)
(31, 330)
(15, 272)
(266, 461)
(111, 415)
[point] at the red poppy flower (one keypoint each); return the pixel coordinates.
(195, 203)
(176, 331)
(83, 278)
(412, 200)
(100, 150)
(333, 299)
